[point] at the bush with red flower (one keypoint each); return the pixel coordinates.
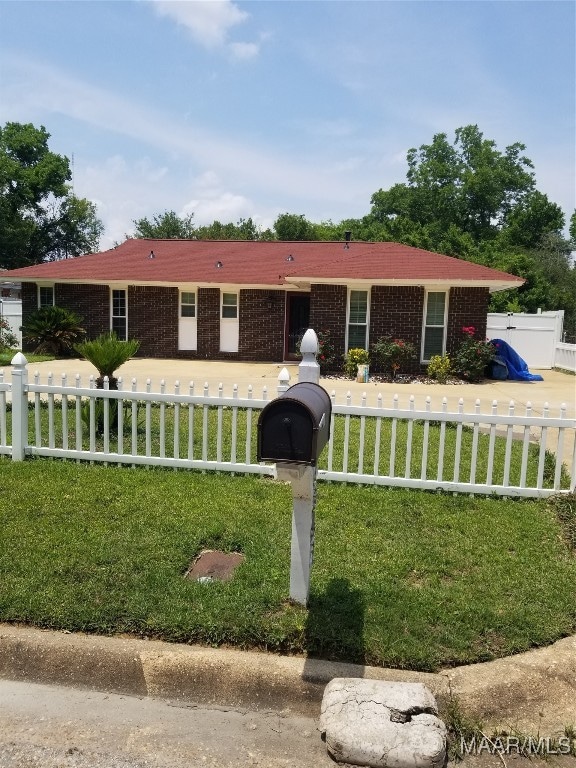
(472, 356)
(390, 354)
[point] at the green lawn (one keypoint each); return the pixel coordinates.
(6, 356)
(400, 578)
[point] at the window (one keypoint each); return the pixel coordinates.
(357, 319)
(45, 296)
(119, 315)
(188, 304)
(434, 325)
(229, 305)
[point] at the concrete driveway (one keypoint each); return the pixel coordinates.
(557, 387)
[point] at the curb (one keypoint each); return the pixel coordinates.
(533, 692)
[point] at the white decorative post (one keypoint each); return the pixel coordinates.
(283, 381)
(309, 369)
(302, 478)
(19, 406)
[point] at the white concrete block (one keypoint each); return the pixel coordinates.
(382, 724)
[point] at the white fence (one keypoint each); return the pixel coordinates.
(11, 310)
(565, 357)
(510, 453)
(537, 338)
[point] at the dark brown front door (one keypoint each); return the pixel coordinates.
(297, 322)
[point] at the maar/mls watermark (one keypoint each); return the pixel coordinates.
(517, 745)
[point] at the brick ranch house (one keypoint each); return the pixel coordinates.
(245, 300)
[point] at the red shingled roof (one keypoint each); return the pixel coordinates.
(264, 263)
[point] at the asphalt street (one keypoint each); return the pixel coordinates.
(47, 726)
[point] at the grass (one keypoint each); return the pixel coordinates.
(400, 578)
(6, 356)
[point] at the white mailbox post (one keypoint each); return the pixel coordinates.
(292, 431)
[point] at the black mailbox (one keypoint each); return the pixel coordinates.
(296, 426)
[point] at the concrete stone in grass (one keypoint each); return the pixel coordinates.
(382, 724)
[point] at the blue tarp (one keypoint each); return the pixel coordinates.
(517, 368)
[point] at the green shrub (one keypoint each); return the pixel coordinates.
(390, 354)
(472, 356)
(53, 330)
(107, 353)
(7, 338)
(326, 351)
(439, 368)
(353, 359)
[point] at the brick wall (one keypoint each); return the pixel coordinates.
(397, 311)
(91, 302)
(467, 306)
(153, 319)
(29, 304)
(328, 313)
(261, 325)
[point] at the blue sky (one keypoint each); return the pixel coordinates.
(237, 109)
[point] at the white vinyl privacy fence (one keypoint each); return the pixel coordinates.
(505, 451)
(537, 338)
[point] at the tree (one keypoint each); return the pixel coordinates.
(166, 226)
(290, 226)
(41, 218)
(469, 185)
(244, 229)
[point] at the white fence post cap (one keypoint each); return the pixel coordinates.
(19, 360)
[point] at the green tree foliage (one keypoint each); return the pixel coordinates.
(290, 226)
(244, 229)
(170, 226)
(469, 185)
(166, 226)
(41, 218)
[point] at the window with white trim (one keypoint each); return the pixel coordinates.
(45, 296)
(434, 336)
(357, 319)
(187, 304)
(119, 313)
(229, 306)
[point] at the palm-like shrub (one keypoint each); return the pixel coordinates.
(53, 330)
(107, 353)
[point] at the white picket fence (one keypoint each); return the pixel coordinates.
(508, 454)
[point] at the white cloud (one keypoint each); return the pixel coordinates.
(209, 22)
(245, 50)
(224, 207)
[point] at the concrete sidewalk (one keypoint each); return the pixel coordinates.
(532, 693)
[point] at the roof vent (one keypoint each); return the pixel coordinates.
(347, 237)
(218, 265)
(290, 257)
(152, 255)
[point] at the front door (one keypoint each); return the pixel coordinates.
(297, 323)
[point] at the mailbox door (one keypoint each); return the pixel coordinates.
(287, 433)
